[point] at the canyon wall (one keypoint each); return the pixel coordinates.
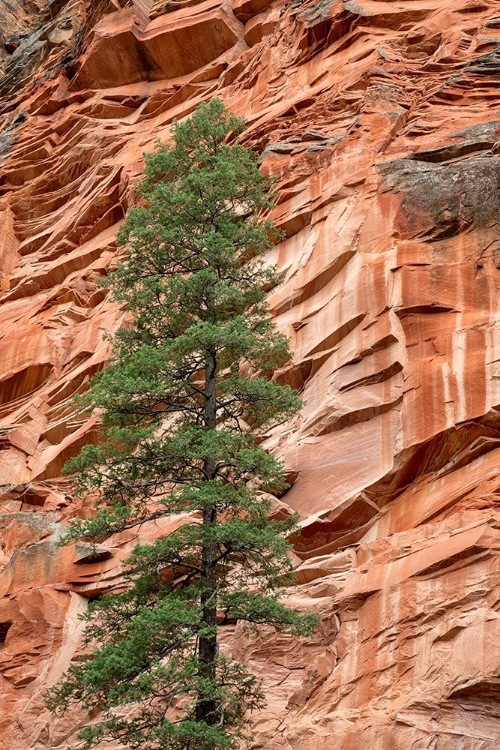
(381, 122)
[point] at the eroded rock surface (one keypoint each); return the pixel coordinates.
(381, 122)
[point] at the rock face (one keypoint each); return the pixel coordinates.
(381, 122)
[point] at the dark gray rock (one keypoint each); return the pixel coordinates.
(474, 139)
(7, 137)
(443, 200)
(485, 65)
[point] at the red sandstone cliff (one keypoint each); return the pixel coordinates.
(381, 120)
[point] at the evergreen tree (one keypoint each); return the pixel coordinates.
(183, 401)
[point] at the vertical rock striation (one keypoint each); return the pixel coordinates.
(381, 122)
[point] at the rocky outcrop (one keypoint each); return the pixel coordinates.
(380, 122)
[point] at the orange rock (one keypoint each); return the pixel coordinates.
(173, 45)
(380, 122)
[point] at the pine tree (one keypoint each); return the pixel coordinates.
(183, 402)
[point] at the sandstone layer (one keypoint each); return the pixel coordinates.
(381, 122)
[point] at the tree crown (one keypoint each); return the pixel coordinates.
(183, 401)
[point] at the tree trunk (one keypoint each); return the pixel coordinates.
(206, 706)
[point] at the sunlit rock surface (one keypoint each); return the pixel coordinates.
(381, 121)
